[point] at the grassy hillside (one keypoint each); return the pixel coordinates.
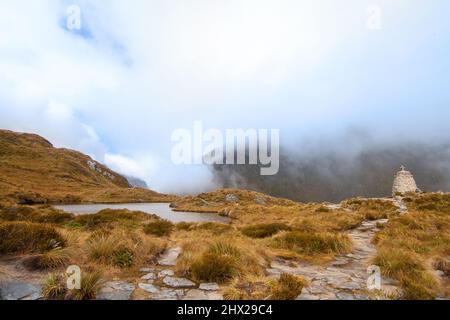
(33, 171)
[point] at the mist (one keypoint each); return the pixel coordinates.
(335, 170)
(138, 70)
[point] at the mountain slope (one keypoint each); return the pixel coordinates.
(32, 170)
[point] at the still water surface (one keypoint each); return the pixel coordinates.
(160, 209)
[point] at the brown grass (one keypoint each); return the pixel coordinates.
(159, 228)
(313, 243)
(108, 217)
(264, 230)
(409, 246)
(52, 259)
(23, 237)
(287, 287)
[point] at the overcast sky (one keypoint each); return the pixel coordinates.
(139, 69)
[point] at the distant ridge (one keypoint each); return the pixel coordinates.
(33, 171)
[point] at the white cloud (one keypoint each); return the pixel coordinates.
(143, 68)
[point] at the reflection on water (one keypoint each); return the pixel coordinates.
(160, 209)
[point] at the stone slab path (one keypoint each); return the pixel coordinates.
(346, 277)
(16, 283)
(160, 282)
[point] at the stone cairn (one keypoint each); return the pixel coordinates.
(404, 183)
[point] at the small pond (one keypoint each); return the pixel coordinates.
(160, 209)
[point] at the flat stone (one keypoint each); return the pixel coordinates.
(231, 198)
(316, 290)
(345, 296)
(307, 296)
(196, 294)
(328, 296)
(149, 276)
(116, 290)
(147, 287)
(167, 294)
(178, 282)
(147, 270)
(260, 200)
(166, 272)
(349, 286)
(11, 289)
(273, 272)
(209, 286)
(170, 256)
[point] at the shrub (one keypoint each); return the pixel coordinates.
(287, 287)
(28, 237)
(314, 243)
(159, 228)
(122, 258)
(375, 215)
(264, 230)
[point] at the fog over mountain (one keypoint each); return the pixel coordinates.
(136, 71)
(335, 172)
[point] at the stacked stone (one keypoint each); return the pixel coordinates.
(404, 183)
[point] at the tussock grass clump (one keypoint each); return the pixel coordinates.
(122, 258)
(54, 287)
(431, 202)
(218, 264)
(398, 263)
(21, 237)
(334, 221)
(264, 230)
(323, 209)
(107, 217)
(56, 217)
(313, 243)
(214, 227)
(375, 215)
(287, 287)
(40, 214)
(214, 267)
(49, 260)
(409, 247)
(184, 226)
(159, 228)
(248, 289)
(91, 284)
(358, 204)
(110, 250)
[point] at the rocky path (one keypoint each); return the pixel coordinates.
(18, 284)
(346, 277)
(160, 283)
